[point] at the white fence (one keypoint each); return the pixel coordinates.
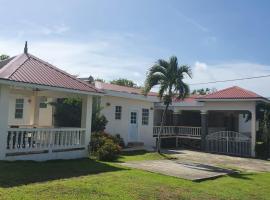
(32, 140)
(184, 131)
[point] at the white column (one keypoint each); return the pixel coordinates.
(253, 131)
(86, 118)
(36, 109)
(4, 108)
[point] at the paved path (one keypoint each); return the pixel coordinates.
(246, 164)
(179, 169)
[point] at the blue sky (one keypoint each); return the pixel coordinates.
(123, 38)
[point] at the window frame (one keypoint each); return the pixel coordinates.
(19, 108)
(145, 116)
(118, 113)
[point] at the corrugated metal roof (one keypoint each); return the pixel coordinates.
(118, 88)
(234, 92)
(27, 68)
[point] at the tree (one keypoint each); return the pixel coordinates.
(204, 91)
(169, 76)
(124, 82)
(3, 57)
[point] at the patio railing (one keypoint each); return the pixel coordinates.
(31, 140)
(184, 131)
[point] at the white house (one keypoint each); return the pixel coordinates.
(129, 113)
(217, 121)
(26, 123)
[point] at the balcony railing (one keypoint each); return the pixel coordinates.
(183, 131)
(31, 140)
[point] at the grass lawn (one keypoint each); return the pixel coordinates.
(89, 179)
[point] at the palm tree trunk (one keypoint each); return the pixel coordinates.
(161, 128)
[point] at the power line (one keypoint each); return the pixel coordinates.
(230, 80)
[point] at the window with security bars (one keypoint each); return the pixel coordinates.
(19, 104)
(118, 112)
(145, 116)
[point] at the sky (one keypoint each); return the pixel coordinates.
(112, 39)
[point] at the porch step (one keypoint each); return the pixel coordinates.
(135, 144)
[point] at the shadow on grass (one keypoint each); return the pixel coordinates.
(26, 172)
(244, 176)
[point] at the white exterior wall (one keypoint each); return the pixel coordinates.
(45, 114)
(145, 132)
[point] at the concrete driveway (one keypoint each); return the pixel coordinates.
(189, 171)
(245, 164)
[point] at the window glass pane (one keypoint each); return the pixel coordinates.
(19, 108)
(145, 116)
(43, 102)
(118, 112)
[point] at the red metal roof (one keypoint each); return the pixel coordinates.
(234, 92)
(27, 68)
(118, 88)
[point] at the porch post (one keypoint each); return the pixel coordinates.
(204, 129)
(253, 131)
(4, 108)
(36, 109)
(86, 118)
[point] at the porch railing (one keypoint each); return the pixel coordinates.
(185, 131)
(21, 140)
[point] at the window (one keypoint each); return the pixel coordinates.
(118, 112)
(43, 102)
(133, 118)
(19, 108)
(145, 116)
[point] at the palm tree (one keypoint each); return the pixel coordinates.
(169, 76)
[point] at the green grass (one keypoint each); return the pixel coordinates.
(142, 155)
(89, 179)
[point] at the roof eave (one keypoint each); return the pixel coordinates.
(47, 87)
(234, 99)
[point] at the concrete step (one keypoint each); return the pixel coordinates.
(135, 144)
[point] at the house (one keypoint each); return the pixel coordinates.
(221, 122)
(215, 122)
(129, 113)
(27, 131)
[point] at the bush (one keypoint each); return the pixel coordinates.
(109, 151)
(118, 140)
(262, 150)
(99, 122)
(105, 146)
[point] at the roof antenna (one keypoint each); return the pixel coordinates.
(25, 48)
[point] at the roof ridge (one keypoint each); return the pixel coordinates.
(63, 72)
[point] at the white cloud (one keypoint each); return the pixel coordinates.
(203, 72)
(106, 59)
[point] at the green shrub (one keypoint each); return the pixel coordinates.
(99, 122)
(109, 151)
(118, 140)
(105, 146)
(262, 150)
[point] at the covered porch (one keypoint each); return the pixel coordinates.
(210, 126)
(28, 129)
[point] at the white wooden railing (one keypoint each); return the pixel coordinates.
(37, 139)
(185, 131)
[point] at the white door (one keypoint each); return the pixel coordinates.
(133, 126)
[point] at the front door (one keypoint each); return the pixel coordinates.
(133, 126)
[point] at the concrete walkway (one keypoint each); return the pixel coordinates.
(245, 164)
(190, 171)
